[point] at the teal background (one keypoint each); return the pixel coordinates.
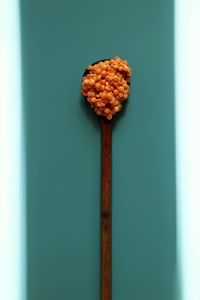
(59, 39)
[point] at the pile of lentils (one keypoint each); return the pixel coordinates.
(107, 85)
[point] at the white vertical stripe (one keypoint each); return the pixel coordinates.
(187, 29)
(12, 230)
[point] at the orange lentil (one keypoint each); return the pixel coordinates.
(107, 82)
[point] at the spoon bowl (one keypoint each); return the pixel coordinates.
(107, 94)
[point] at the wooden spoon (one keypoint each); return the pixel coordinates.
(106, 205)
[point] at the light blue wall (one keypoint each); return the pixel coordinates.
(59, 39)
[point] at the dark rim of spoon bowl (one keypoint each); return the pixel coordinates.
(88, 71)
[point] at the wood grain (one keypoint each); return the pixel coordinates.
(106, 209)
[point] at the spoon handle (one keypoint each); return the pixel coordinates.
(106, 208)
